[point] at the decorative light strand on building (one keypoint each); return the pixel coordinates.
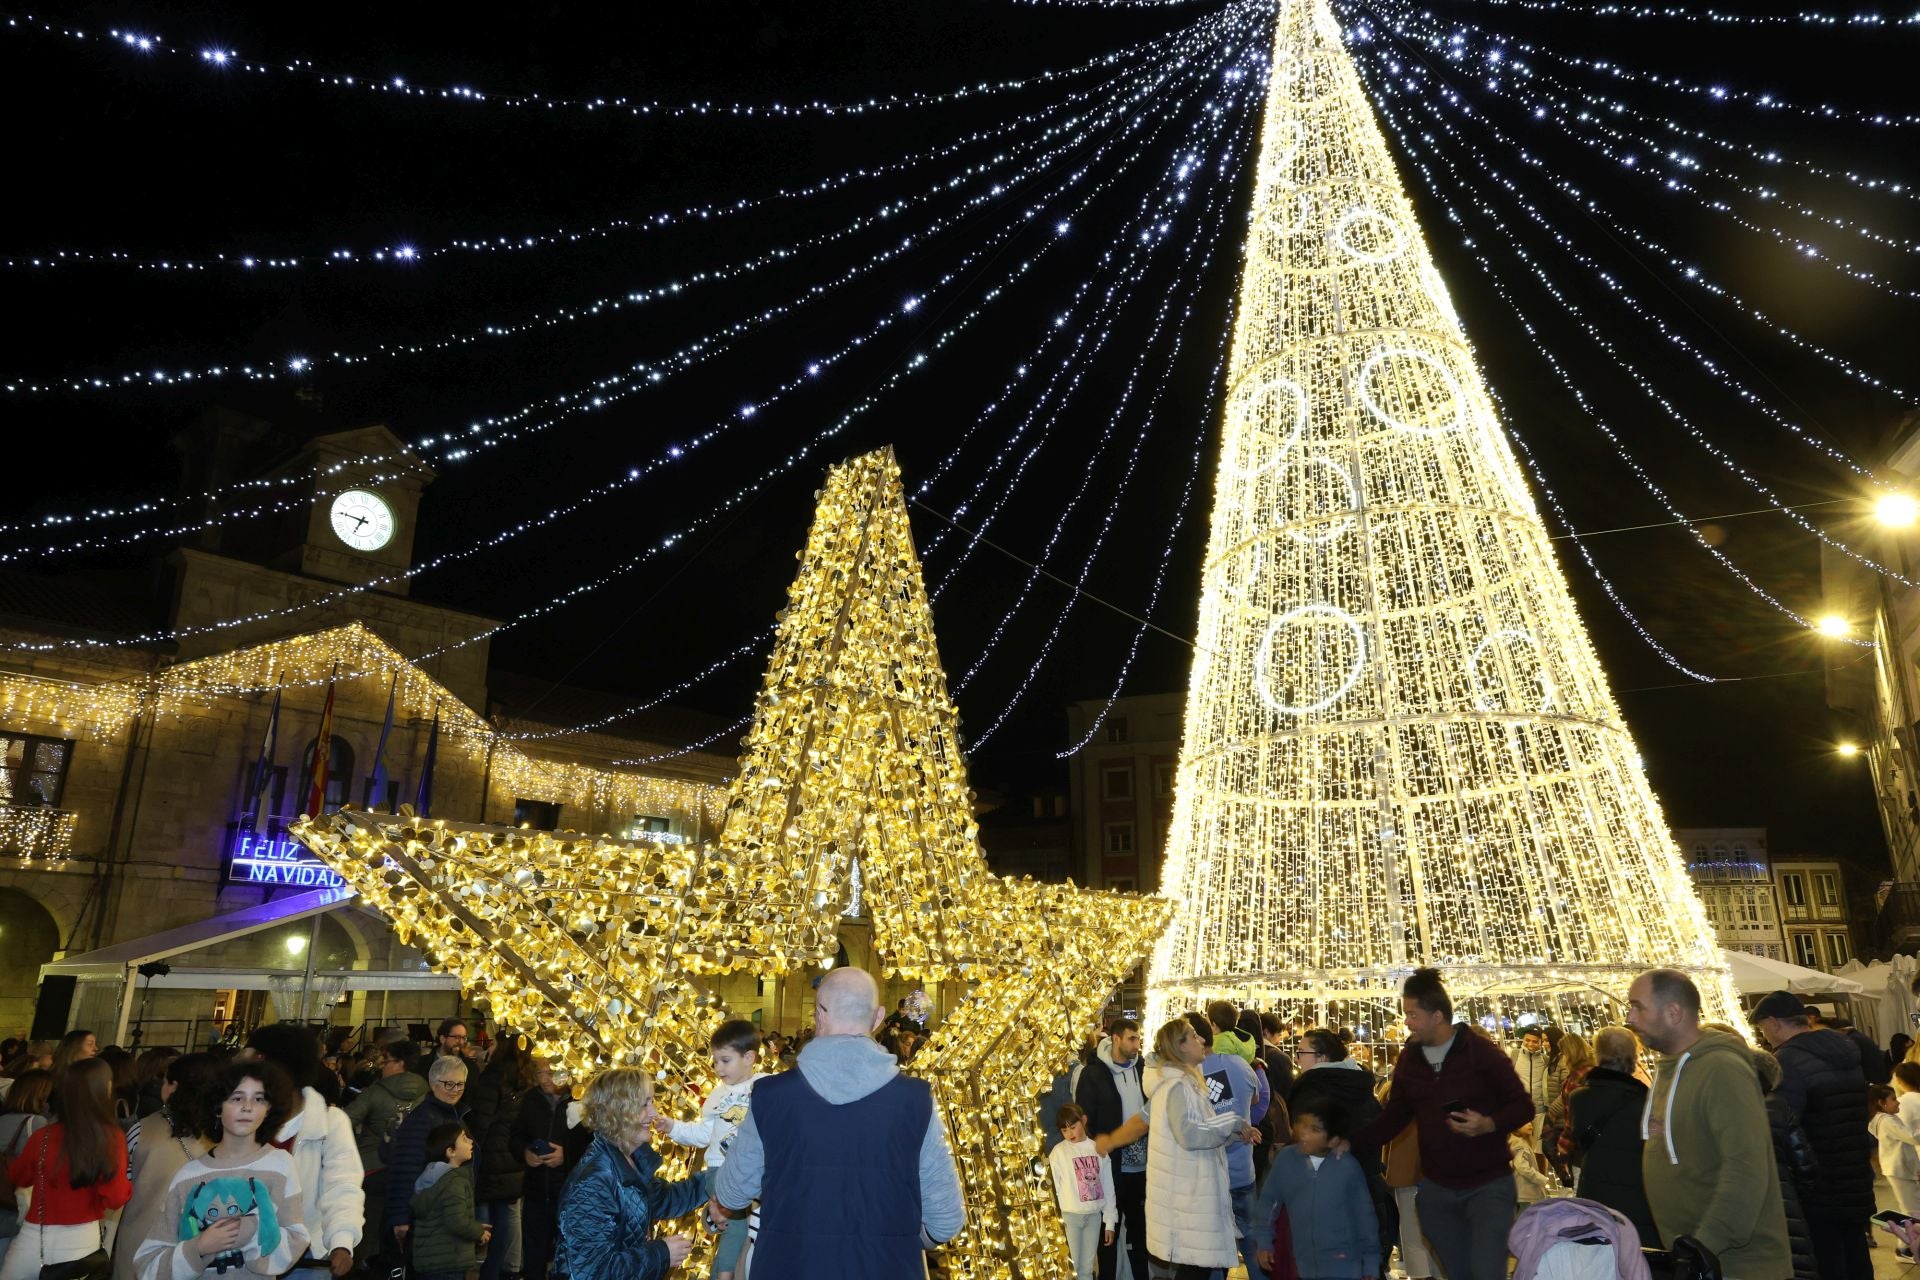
(1642, 12)
(1714, 450)
(1399, 746)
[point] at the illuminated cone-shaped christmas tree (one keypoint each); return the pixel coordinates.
(1400, 748)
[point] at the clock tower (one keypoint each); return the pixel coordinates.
(366, 486)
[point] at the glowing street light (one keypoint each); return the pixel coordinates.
(1849, 748)
(1833, 626)
(1897, 510)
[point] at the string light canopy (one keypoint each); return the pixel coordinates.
(851, 784)
(1399, 748)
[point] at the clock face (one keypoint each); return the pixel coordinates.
(362, 520)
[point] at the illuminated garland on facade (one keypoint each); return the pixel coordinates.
(605, 948)
(1400, 748)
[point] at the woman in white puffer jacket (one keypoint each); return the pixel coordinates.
(1189, 1211)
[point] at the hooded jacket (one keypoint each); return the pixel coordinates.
(842, 1070)
(1793, 1154)
(608, 1212)
(1350, 1085)
(446, 1234)
(1822, 1082)
(1189, 1210)
(328, 1162)
(1707, 1163)
(1603, 1121)
(1236, 1042)
(1110, 1094)
(1329, 1215)
(378, 1111)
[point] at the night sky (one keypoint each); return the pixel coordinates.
(162, 158)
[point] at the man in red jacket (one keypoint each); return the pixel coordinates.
(1462, 1092)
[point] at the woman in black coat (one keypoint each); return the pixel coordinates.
(1794, 1161)
(493, 1109)
(1603, 1123)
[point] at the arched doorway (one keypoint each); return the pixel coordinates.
(28, 939)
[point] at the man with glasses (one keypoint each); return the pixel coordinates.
(406, 1153)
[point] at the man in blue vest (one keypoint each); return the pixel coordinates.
(846, 1156)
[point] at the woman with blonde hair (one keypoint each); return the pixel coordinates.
(1189, 1208)
(615, 1197)
(1576, 1060)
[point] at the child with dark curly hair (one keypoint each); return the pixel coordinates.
(238, 1208)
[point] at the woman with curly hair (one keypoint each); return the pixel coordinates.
(614, 1197)
(77, 1170)
(240, 1204)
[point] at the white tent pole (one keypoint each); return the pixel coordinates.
(306, 980)
(126, 1005)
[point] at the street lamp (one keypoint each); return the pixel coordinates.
(295, 944)
(1897, 510)
(1833, 626)
(1848, 748)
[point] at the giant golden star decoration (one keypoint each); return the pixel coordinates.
(604, 946)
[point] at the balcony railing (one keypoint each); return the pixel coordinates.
(35, 831)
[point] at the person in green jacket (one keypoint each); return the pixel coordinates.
(1708, 1156)
(449, 1242)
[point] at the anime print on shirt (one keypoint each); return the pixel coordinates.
(214, 1200)
(733, 1115)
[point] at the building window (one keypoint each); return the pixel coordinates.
(1838, 950)
(1826, 887)
(33, 770)
(538, 814)
(1116, 782)
(1116, 728)
(1119, 837)
(1794, 887)
(1805, 953)
(1163, 780)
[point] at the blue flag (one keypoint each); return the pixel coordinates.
(263, 770)
(378, 800)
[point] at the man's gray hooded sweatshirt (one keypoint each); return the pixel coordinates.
(845, 1069)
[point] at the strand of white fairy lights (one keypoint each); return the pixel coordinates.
(1418, 157)
(1576, 312)
(1561, 110)
(411, 255)
(1691, 273)
(756, 644)
(823, 439)
(1667, 180)
(604, 306)
(218, 59)
(1595, 99)
(606, 390)
(1642, 12)
(592, 398)
(1160, 221)
(1608, 68)
(1155, 122)
(1573, 192)
(1227, 168)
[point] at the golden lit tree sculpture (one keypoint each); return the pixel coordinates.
(1399, 747)
(607, 949)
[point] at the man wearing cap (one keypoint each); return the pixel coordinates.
(1822, 1082)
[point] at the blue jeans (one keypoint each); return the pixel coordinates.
(504, 1217)
(1245, 1202)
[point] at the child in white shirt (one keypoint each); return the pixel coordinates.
(1899, 1150)
(735, 1050)
(1906, 1087)
(1083, 1183)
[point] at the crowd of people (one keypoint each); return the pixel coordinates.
(1232, 1137)
(1228, 1139)
(271, 1155)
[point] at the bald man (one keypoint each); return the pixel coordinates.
(846, 1156)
